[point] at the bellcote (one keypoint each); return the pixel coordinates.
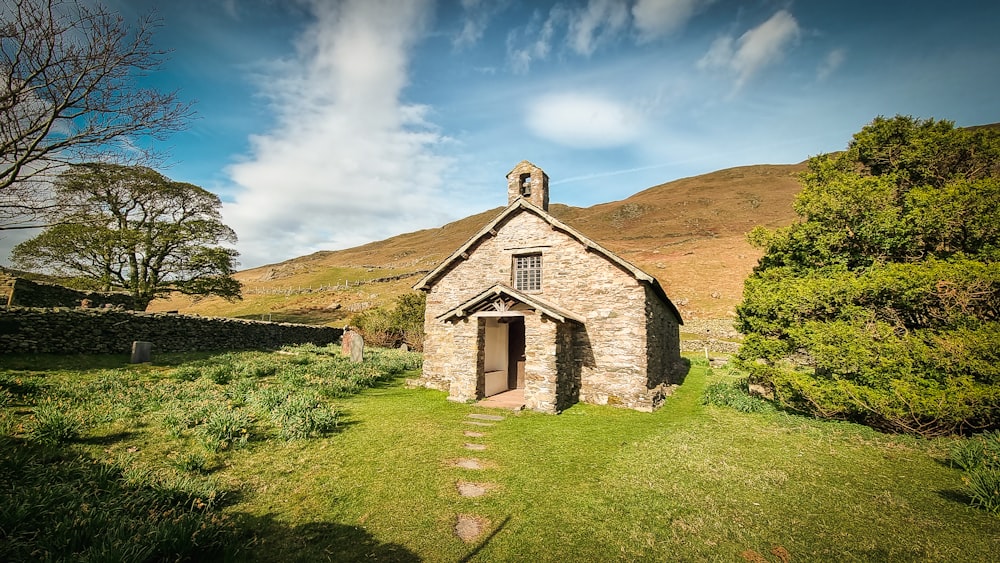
(530, 182)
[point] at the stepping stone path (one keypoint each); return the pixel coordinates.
(470, 527)
(492, 417)
(472, 490)
(468, 463)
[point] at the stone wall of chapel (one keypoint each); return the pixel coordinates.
(611, 348)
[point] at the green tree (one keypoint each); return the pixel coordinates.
(879, 305)
(131, 228)
(403, 322)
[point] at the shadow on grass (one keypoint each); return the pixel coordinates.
(475, 551)
(954, 495)
(59, 504)
(264, 538)
(106, 439)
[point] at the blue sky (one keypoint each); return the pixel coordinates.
(327, 124)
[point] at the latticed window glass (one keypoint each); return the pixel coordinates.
(528, 272)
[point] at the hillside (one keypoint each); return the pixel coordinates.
(689, 233)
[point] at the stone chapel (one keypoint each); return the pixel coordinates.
(531, 306)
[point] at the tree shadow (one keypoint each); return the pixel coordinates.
(265, 538)
(59, 504)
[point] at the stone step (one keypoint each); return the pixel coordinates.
(477, 423)
(475, 447)
(468, 463)
(479, 416)
(471, 434)
(473, 490)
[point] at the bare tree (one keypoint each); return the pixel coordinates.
(70, 92)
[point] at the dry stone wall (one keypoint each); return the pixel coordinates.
(21, 292)
(102, 331)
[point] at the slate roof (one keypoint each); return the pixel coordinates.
(521, 205)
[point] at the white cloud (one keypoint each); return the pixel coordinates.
(599, 21)
(831, 63)
(477, 16)
(656, 18)
(347, 161)
(583, 121)
(533, 42)
(755, 49)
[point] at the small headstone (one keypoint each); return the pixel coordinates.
(345, 341)
(404, 347)
(357, 348)
(141, 352)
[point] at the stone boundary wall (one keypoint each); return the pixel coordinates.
(718, 335)
(22, 292)
(104, 331)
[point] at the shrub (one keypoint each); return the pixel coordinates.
(220, 373)
(53, 424)
(240, 392)
(257, 367)
(979, 458)
(733, 394)
(193, 462)
(267, 398)
(186, 373)
(226, 428)
(304, 415)
(389, 327)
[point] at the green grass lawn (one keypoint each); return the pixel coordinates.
(686, 483)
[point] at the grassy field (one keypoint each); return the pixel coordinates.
(378, 480)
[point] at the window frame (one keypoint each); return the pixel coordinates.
(527, 268)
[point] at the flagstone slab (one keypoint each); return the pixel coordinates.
(468, 463)
(473, 490)
(470, 527)
(479, 416)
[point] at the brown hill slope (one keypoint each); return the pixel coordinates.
(689, 233)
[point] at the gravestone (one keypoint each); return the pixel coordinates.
(404, 347)
(141, 352)
(345, 341)
(357, 348)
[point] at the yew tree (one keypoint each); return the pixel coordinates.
(131, 228)
(881, 304)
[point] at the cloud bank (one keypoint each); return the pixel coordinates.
(755, 49)
(583, 121)
(347, 161)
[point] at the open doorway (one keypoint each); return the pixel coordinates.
(503, 365)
